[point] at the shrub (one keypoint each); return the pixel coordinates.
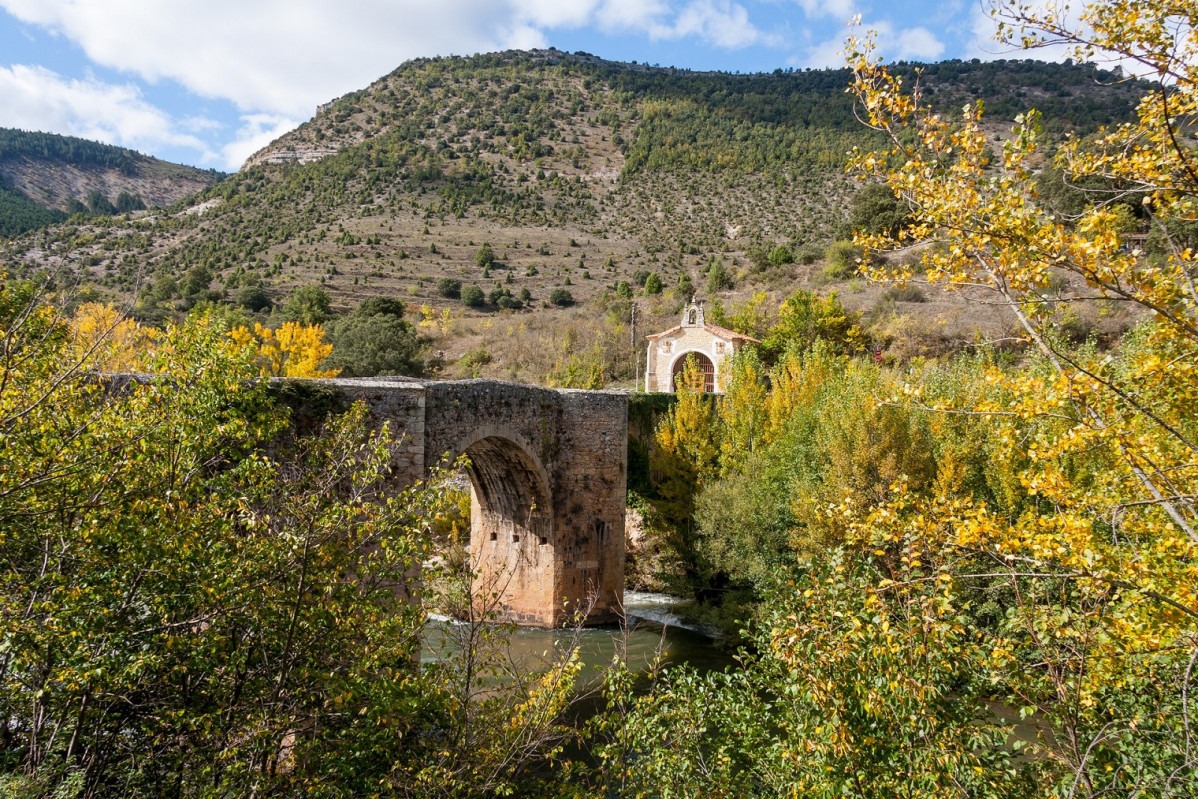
(561, 298)
(473, 297)
(449, 287)
(843, 260)
(906, 293)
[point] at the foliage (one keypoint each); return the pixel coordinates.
(473, 297)
(852, 693)
(805, 318)
(875, 209)
(109, 340)
(293, 350)
(561, 297)
(18, 213)
(308, 305)
(844, 259)
(376, 340)
(1110, 451)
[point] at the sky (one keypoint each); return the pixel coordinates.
(209, 82)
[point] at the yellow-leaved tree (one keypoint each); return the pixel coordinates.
(109, 340)
(1111, 547)
(294, 350)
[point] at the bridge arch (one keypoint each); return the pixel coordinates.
(512, 547)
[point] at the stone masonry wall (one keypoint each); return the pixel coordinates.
(548, 472)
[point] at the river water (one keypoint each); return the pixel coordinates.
(652, 628)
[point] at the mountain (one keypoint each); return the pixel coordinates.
(534, 174)
(45, 177)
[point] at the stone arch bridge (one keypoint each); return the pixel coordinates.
(547, 472)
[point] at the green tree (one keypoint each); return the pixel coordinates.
(805, 318)
(473, 297)
(875, 209)
(308, 305)
(485, 256)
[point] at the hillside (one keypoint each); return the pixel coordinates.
(45, 177)
(527, 174)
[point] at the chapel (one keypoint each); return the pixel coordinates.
(710, 345)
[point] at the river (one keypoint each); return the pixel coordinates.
(652, 626)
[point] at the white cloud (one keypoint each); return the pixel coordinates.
(722, 23)
(917, 44)
(280, 56)
(825, 54)
(256, 131)
(640, 15)
(906, 44)
(838, 9)
(35, 98)
(557, 13)
(288, 56)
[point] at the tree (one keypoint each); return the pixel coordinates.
(485, 256)
(1121, 537)
(473, 297)
(376, 340)
(805, 318)
(561, 297)
(109, 340)
(449, 287)
(875, 209)
(653, 284)
(254, 298)
(308, 305)
(293, 350)
(385, 306)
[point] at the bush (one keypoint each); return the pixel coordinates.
(449, 287)
(308, 305)
(718, 278)
(905, 294)
(473, 297)
(254, 298)
(781, 256)
(843, 260)
(561, 298)
(365, 345)
(485, 256)
(385, 306)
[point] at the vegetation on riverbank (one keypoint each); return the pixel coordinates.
(195, 605)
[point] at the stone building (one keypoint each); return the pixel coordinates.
(709, 344)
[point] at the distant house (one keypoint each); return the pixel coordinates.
(710, 345)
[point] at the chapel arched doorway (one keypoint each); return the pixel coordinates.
(704, 364)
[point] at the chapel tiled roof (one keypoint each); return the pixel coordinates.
(715, 330)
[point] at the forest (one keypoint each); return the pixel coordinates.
(969, 573)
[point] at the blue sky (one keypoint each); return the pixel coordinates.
(208, 82)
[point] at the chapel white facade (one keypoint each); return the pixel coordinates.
(710, 345)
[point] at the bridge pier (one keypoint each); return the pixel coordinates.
(547, 473)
